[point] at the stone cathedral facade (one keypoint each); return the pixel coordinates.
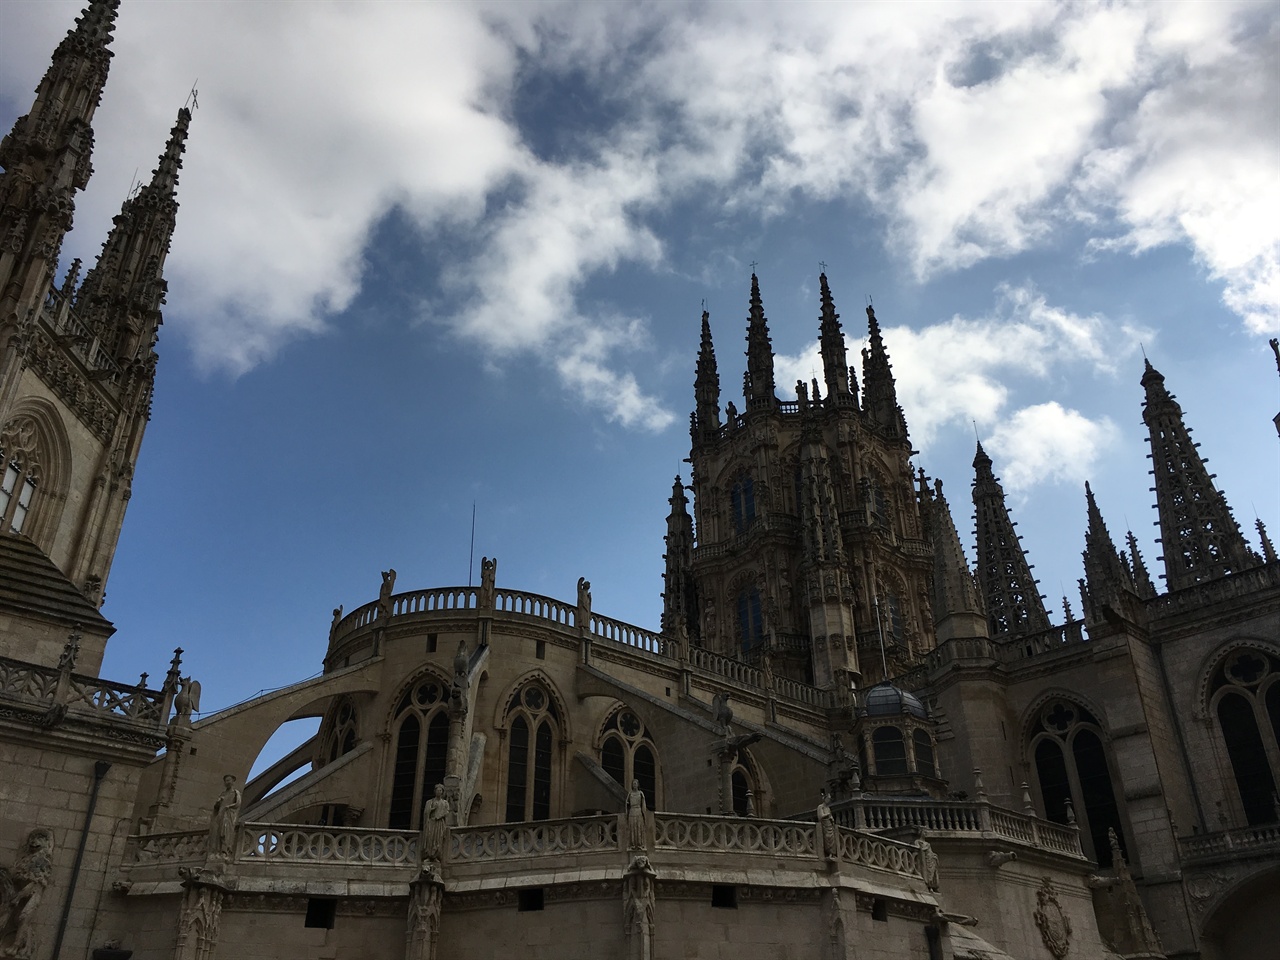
(842, 741)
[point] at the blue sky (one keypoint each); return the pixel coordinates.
(434, 254)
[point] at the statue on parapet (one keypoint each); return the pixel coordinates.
(21, 890)
(222, 822)
(722, 713)
(584, 604)
(384, 594)
(637, 822)
(827, 832)
(185, 702)
(488, 578)
(435, 828)
(928, 864)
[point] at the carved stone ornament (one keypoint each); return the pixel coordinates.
(423, 928)
(21, 890)
(1055, 928)
(638, 902)
(198, 922)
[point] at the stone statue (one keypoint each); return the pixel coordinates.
(435, 827)
(187, 699)
(337, 615)
(721, 712)
(928, 864)
(584, 603)
(222, 821)
(21, 890)
(637, 828)
(827, 828)
(384, 594)
(638, 907)
(488, 575)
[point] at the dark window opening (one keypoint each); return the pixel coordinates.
(530, 899)
(517, 769)
(437, 755)
(740, 790)
(1248, 758)
(890, 752)
(750, 618)
(320, 913)
(933, 940)
(724, 897)
(432, 640)
(646, 772)
(540, 649)
(1098, 794)
(406, 767)
(542, 773)
(924, 754)
(1055, 787)
(613, 760)
(879, 910)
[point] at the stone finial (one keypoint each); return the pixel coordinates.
(978, 786)
(1027, 806)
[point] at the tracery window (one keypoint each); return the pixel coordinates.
(742, 503)
(1072, 763)
(533, 725)
(744, 786)
(20, 477)
(421, 734)
(1246, 700)
(627, 753)
(342, 734)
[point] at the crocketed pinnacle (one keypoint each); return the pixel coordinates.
(1141, 579)
(955, 591)
(758, 385)
(679, 597)
(706, 386)
(835, 364)
(1268, 550)
(879, 392)
(1198, 535)
(1014, 605)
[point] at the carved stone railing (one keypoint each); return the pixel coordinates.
(1244, 584)
(726, 667)
(535, 605)
(188, 847)
(1240, 843)
(709, 834)
(975, 817)
(1046, 641)
(40, 685)
(880, 853)
(278, 843)
(540, 838)
(430, 601)
(604, 628)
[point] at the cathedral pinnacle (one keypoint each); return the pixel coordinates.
(1106, 574)
(758, 384)
(1198, 535)
(1014, 605)
(879, 392)
(835, 367)
(706, 387)
(957, 601)
(679, 598)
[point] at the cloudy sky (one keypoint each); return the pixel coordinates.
(431, 255)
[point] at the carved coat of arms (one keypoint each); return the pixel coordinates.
(1055, 928)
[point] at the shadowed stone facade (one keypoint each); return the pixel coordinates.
(841, 742)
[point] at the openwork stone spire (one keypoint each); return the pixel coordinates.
(1108, 578)
(1268, 550)
(679, 598)
(957, 599)
(1014, 606)
(1141, 579)
(879, 392)
(835, 363)
(1198, 534)
(758, 387)
(121, 296)
(706, 387)
(46, 160)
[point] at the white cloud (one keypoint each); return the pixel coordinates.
(977, 130)
(1047, 443)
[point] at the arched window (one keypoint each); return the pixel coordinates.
(627, 753)
(1246, 695)
(533, 725)
(890, 752)
(742, 503)
(19, 473)
(340, 732)
(420, 732)
(750, 617)
(744, 786)
(1072, 764)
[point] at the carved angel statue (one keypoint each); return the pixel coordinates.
(21, 890)
(488, 576)
(435, 827)
(584, 602)
(827, 828)
(222, 821)
(636, 827)
(384, 594)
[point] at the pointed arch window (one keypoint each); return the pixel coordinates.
(742, 503)
(1246, 702)
(1072, 764)
(340, 733)
(20, 474)
(420, 732)
(627, 753)
(533, 725)
(750, 618)
(744, 786)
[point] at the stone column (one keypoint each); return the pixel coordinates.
(422, 931)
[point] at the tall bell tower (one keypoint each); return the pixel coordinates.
(77, 361)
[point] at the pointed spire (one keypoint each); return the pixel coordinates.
(706, 387)
(46, 159)
(1141, 579)
(758, 384)
(1014, 605)
(879, 391)
(1107, 577)
(835, 363)
(679, 598)
(1268, 550)
(1199, 536)
(957, 599)
(121, 296)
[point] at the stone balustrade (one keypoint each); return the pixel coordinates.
(535, 605)
(47, 687)
(168, 848)
(1200, 596)
(511, 841)
(1242, 842)
(603, 628)
(958, 817)
(286, 843)
(708, 834)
